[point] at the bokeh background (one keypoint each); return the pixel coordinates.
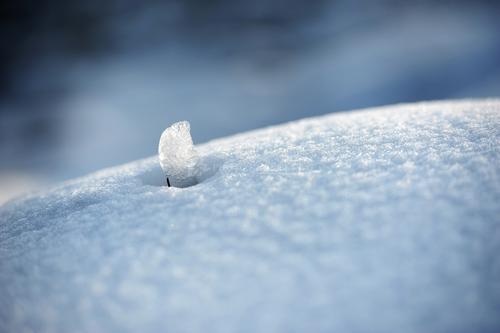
(87, 84)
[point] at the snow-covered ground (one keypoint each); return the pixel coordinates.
(380, 220)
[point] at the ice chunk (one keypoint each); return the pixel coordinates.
(178, 158)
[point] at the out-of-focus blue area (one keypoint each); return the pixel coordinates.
(86, 84)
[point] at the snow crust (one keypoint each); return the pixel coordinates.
(177, 155)
(380, 220)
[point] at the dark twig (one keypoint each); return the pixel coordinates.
(168, 182)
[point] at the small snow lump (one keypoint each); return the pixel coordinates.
(178, 157)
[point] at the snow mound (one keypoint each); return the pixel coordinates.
(178, 158)
(381, 220)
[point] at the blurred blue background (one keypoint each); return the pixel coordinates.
(91, 84)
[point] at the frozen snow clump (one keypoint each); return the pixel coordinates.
(178, 158)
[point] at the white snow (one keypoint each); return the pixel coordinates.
(380, 220)
(177, 155)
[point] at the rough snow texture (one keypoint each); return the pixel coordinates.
(177, 155)
(383, 220)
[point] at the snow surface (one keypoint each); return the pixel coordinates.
(381, 220)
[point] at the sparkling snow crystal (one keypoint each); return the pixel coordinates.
(178, 158)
